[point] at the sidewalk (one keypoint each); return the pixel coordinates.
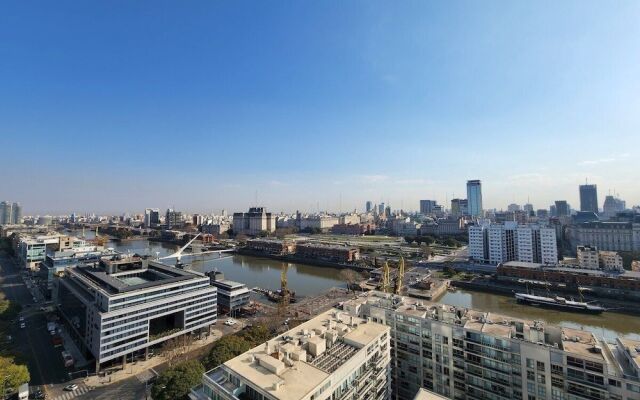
(139, 368)
(70, 346)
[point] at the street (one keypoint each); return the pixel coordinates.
(33, 342)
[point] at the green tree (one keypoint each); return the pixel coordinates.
(12, 375)
(175, 382)
(225, 349)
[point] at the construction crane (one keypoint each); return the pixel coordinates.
(283, 303)
(400, 276)
(386, 279)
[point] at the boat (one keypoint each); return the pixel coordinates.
(559, 303)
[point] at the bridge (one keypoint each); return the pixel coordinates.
(178, 254)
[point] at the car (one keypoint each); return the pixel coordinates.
(39, 395)
(71, 388)
(21, 319)
(23, 325)
(230, 322)
(43, 308)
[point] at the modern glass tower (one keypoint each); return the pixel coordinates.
(589, 198)
(474, 198)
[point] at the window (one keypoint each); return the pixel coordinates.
(531, 375)
(556, 369)
(530, 363)
(541, 379)
(540, 366)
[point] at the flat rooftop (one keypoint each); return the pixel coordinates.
(296, 363)
(142, 275)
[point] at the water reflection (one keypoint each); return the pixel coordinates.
(608, 325)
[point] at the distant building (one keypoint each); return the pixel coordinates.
(216, 229)
(10, 213)
(612, 206)
(254, 222)
(448, 226)
(173, 218)
(459, 207)
(321, 222)
(341, 254)
(474, 198)
(151, 217)
(272, 246)
(369, 206)
(542, 213)
(562, 208)
(498, 243)
(587, 257)
(611, 236)
(427, 207)
(354, 229)
(513, 207)
(589, 198)
(610, 261)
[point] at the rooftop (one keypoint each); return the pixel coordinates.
(296, 363)
(132, 274)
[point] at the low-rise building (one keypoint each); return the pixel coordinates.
(232, 296)
(32, 250)
(588, 257)
(330, 357)
(127, 304)
(354, 229)
(340, 254)
(319, 222)
(272, 246)
(57, 261)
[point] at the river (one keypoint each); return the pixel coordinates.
(308, 280)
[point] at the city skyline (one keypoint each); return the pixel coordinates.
(201, 107)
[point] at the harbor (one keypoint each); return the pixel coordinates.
(309, 280)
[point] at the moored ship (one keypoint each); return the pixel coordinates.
(559, 303)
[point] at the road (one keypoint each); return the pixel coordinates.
(34, 342)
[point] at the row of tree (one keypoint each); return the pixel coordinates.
(13, 371)
(176, 381)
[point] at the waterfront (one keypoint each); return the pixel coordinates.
(308, 280)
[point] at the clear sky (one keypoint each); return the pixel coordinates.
(119, 105)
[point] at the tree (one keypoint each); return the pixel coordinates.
(12, 375)
(427, 251)
(429, 240)
(351, 277)
(177, 381)
(225, 349)
(409, 239)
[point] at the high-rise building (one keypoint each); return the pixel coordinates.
(562, 208)
(427, 207)
(368, 206)
(589, 198)
(16, 213)
(613, 205)
(173, 218)
(474, 198)
(459, 207)
(10, 213)
(254, 222)
(469, 354)
(498, 243)
(381, 209)
(151, 217)
(334, 356)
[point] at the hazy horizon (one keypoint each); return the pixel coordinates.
(115, 107)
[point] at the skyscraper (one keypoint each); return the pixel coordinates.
(562, 208)
(589, 198)
(427, 206)
(5, 212)
(16, 213)
(474, 198)
(368, 206)
(151, 217)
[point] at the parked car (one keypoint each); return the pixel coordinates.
(71, 388)
(23, 325)
(230, 322)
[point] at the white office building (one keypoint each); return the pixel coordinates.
(333, 356)
(498, 243)
(128, 304)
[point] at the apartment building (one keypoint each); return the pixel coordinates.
(321, 222)
(332, 356)
(497, 243)
(127, 304)
(254, 222)
(467, 354)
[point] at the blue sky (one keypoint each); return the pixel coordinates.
(117, 106)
